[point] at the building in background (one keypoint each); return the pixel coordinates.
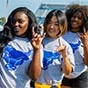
(39, 7)
(42, 11)
(48, 5)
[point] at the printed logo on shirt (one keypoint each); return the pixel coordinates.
(49, 58)
(14, 57)
(75, 46)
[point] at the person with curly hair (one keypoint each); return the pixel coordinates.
(77, 37)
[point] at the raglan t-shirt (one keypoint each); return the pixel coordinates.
(52, 61)
(14, 65)
(77, 46)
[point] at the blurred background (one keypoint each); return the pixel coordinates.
(39, 7)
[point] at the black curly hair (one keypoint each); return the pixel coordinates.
(76, 8)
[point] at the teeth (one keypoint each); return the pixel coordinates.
(74, 23)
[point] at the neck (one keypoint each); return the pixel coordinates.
(74, 30)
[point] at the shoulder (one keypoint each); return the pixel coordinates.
(63, 40)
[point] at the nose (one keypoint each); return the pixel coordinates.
(76, 18)
(16, 23)
(52, 25)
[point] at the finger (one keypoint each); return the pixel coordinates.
(33, 33)
(84, 30)
(65, 51)
(80, 34)
(60, 44)
(65, 48)
(41, 26)
(43, 35)
(38, 36)
(60, 49)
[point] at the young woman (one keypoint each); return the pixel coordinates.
(21, 56)
(77, 37)
(58, 57)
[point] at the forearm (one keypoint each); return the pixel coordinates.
(86, 54)
(35, 67)
(66, 66)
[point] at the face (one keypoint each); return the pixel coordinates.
(52, 28)
(76, 21)
(20, 23)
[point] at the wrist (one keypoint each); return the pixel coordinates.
(65, 56)
(66, 60)
(36, 49)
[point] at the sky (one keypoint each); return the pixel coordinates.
(31, 4)
(12, 4)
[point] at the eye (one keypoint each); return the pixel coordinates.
(49, 22)
(20, 21)
(80, 18)
(17, 20)
(56, 24)
(74, 16)
(13, 21)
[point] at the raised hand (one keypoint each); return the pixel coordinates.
(84, 36)
(66, 65)
(36, 39)
(62, 49)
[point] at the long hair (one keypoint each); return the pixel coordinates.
(8, 33)
(31, 17)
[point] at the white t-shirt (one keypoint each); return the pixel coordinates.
(77, 46)
(52, 61)
(14, 65)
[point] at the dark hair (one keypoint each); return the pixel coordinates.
(8, 33)
(76, 8)
(61, 20)
(30, 15)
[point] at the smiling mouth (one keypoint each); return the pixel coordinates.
(52, 30)
(16, 29)
(74, 23)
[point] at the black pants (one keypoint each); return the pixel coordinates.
(79, 82)
(32, 84)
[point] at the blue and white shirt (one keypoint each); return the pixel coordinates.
(77, 46)
(52, 61)
(14, 65)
